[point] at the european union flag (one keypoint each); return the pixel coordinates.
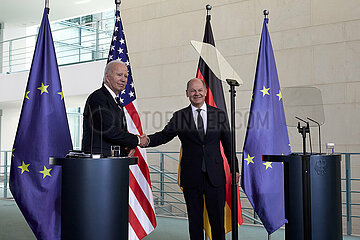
(42, 132)
(263, 182)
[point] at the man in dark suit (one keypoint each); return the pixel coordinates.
(104, 118)
(200, 128)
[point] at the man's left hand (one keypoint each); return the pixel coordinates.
(237, 177)
(131, 153)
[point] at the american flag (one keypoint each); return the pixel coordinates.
(142, 219)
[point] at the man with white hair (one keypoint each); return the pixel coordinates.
(104, 118)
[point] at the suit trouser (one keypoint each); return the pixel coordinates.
(215, 203)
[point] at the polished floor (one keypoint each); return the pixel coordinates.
(14, 227)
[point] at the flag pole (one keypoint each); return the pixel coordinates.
(208, 7)
(234, 204)
(46, 3)
(117, 2)
(266, 14)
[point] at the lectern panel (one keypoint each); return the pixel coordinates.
(94, 198)
(318, 198)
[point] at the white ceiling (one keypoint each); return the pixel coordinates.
(29, 12)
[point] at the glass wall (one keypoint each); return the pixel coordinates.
(80, 39)
(75, 120)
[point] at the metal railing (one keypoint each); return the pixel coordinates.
(5, 159)
(159, 171)
(169, 200)
(349, 193)
(74, 43)
(167, 194)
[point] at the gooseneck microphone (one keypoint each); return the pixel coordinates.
(92, 131)
(101, 134)
(319, 133)
(303, 131)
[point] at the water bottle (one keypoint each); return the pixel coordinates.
(330, 148)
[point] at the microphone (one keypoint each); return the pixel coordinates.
(302, 120)
(307, 125)
(101, 134)
(319, 133)
(305, 130)
(92, 131)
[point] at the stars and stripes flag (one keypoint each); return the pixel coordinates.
(263, 182)
(42, 132)
(142, 219)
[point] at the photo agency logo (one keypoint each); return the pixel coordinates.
(157, 120)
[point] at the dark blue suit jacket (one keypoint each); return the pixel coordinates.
(182, 124)
(104, 126)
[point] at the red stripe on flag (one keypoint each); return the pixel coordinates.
(228, 185)
(228, 176)
(142, 199)
(134, 115)
(209, 99)
(136, 120)
(136, 225)
(240, 219)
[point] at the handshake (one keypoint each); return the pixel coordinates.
(144, 140)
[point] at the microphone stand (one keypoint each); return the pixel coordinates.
(303, 131)
(234, 204)
(306, 182)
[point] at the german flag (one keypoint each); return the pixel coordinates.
(215, 98)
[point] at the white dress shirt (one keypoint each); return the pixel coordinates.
(111, 92)
(203, 115)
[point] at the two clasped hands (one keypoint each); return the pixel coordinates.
(144, 141)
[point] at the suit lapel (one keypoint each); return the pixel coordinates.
(110, 99)
(190, 117)
(112, 102)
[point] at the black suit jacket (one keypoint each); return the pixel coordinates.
(103, 125)
(182, 124)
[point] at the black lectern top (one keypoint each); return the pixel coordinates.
(59, 161)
